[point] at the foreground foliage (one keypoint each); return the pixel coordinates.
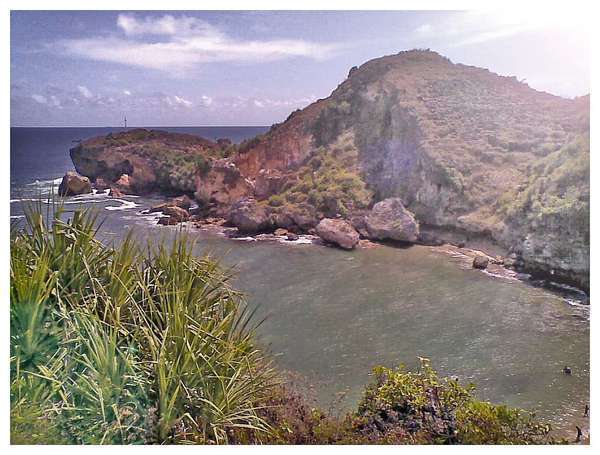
(123, 345)
(120, 345)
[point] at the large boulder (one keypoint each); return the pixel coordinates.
(73, 184)
(249, 217)
(389, 219)
(338, 232)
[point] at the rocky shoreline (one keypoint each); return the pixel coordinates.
(387, 223)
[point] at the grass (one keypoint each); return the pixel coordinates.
(136, 345)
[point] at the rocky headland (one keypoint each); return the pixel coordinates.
(410, 148)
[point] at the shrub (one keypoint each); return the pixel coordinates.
(126, 345)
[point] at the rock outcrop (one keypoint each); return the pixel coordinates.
(223, 184)
(338, 232)
(389, 220)
(468, 152)
(73, 184)
(249, 217)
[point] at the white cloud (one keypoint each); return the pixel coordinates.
(165, 25)
(126, 92)
(206, 100)
(40, 99)
(182, 43)
(85, 91)
(177, 101)
(182, 101)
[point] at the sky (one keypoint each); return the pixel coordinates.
(212, 68)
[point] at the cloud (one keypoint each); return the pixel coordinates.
(206, 100)
(40, 99)
(180, 44)
(182, 101)
(126, 92)
(85, 91)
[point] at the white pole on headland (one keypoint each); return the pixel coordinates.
(125, 121)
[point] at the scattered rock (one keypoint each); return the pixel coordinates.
(389, 219)
(183, 202)
(281, 232)
(177, 213)
(292, 237)
(116, 192)
(73, 184)
(249, 217)
(480, 262)
(338, 232)
(167, 221)
(101, 185)
(124, 183)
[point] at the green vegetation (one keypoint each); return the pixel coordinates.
(124, 345)
(558, 188)
(401, 407)
(329, 181)
(130, 345)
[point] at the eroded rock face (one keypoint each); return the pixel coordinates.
(115, 192)
(73, 184)
(222, 184)
(389, 219)
(249, 217)
(338, 232)
(101, 185)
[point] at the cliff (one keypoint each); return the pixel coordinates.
(469, 153)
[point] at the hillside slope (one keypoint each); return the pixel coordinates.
(470, 154)
(457, 144)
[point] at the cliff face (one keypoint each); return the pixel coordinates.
(467, 151)
(459, 145)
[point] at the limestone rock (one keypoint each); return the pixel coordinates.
(177, 213)
(249, 217)
(116, 192)
(73, 184)
(389, 219)
(338, 232)
(480, 262)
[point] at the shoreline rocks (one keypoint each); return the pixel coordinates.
(338, 232)
(390, 220)
(74, 184)
(249, 217)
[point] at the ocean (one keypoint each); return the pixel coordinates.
(332, 315)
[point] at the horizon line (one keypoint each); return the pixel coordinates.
(141, 126)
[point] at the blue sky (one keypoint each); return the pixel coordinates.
(254, 68)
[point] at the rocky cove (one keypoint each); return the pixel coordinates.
(332, 314)
(410, 148)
